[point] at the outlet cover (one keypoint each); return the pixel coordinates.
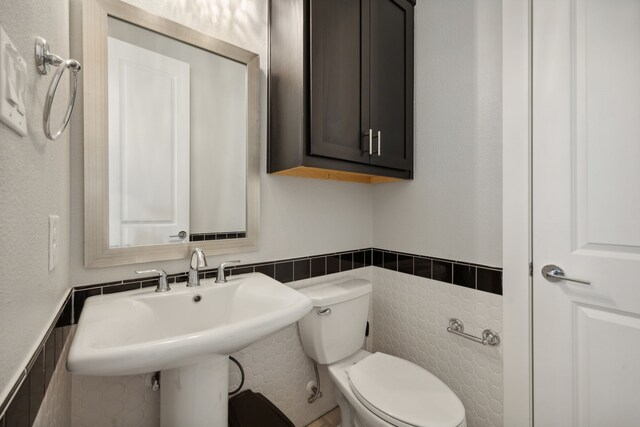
(54, 241)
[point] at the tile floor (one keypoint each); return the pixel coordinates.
(330, 419)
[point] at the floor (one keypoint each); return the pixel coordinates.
(330, 419)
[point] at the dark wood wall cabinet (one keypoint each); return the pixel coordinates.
(341, 89)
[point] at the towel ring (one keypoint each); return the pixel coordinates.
(43, 60)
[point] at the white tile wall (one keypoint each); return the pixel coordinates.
(409, 319)
(114, 402)
(278, 368)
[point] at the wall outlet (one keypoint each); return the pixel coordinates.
(54, 241)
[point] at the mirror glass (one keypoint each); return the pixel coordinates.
(171, 138)
(177, 144)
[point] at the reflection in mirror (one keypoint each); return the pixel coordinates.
(170, 132)
(177, 149)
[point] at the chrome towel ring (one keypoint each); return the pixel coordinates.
(44, 59)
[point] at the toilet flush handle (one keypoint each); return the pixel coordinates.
(324, 312)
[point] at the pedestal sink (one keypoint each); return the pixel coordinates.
(187, 333)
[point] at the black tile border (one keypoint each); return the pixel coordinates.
(197, 237)
(474, 276)
(489, 280)
(318, 266)
(469, 275)
(464, 275)
(23, 402)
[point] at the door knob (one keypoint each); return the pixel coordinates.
(181, 235)
(553, 273)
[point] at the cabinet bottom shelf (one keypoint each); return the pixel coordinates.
(335, 175)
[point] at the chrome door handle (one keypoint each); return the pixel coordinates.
(553, 273)
(181, 235)
(370, 142)
(379, 141)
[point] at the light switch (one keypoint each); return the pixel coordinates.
(15, 79)
(13, 85)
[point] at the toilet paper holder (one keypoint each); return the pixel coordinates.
(489, 337)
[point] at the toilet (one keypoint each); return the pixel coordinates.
(372, 390)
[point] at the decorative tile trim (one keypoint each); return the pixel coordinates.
(196, 237)
(21, 406)
(285, 270)
(475, 276)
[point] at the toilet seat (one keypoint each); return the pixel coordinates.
(404, 394)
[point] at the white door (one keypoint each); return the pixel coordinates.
(586, 212)
(148, 146)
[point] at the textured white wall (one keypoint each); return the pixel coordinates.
(453, 207)
(125, 401)
(298, 216)
(34, 183)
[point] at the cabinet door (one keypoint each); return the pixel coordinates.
(335, 80)
(388, 44)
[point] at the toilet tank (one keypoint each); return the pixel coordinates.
(335, 327)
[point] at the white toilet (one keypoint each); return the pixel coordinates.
(373, 390)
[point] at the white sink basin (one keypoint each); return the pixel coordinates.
(143, 331)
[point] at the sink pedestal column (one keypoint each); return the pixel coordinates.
(196, 395)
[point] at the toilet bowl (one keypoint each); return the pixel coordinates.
(372, 390)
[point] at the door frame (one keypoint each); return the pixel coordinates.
(517, 211)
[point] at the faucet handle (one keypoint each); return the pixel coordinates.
(163, 285)
(221, 277)
(224, 264)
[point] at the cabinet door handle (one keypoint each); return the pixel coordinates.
(370, 142)
(379, 141)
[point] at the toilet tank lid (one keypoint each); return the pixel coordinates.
(337, 291)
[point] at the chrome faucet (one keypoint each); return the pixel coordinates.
(198, 260)
(221, 277)
(163, 285)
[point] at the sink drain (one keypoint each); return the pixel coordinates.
(197, 298)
